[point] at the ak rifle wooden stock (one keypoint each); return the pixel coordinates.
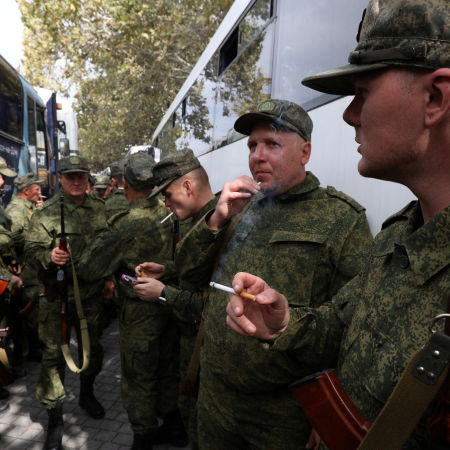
(333, 415)
(62, 280)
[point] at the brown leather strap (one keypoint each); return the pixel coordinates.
(194, 365)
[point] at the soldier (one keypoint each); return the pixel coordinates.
(292, 230)
(185, 185)
(91, 183)
(149, 382)
(103, 186)
(117, 201)
(401, 115)
(20, 209)
(85, 219)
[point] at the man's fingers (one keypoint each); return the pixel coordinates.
(237, 304)
(247, 327)
(236, 327)
(251, 283)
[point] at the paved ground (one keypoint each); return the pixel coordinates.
(23, 426)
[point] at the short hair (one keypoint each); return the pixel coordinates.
(197, 176)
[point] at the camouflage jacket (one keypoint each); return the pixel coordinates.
(187, 299)
(132, 236)
(116, 203)
(307, 243)
(83, 223)
(384, 313)
(7, 250)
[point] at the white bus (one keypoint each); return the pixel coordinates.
(263, 49)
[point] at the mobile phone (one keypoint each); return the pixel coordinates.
(130, 279)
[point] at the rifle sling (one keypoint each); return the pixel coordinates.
(86, 343)
(406, 405)
(194, 365)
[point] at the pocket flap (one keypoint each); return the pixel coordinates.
(292, 236)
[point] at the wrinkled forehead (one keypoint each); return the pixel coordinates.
(75, 175)
(273, 130)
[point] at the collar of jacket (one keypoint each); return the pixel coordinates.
(24, 201)
(143, 202)
(310, 183)
(71, 205)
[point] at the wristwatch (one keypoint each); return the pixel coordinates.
(162, 296)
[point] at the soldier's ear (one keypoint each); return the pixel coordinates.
(438, 97)
(187, 184)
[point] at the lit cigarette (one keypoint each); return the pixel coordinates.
(166, 218)
(259, 182)
(221, 287)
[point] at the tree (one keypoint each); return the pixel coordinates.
(126, 60)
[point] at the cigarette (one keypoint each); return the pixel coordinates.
(259, 182)
(166, 217)
(221, 287)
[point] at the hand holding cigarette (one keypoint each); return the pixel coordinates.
(232, 201)
(266, 317)
(150, 270)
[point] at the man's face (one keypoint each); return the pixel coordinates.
(33, 192)
(388, 118)
(277, 158)
(2, 182)
(74, 184)
(177, 199)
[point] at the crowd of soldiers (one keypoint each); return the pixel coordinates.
(214, 366)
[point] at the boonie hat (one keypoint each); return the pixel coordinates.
(102, 182)
(69, 164)
(4, 169)
(174, 166)
(283, 112)
(26, 180)
(138, 171)
(393, 33)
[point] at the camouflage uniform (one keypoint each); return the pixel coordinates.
(20, 210)
(116, 203)
(308, 242)
(149, 382)
(83, 223)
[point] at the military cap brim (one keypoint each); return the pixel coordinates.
(102, 186)
(75, 170)
(161, 187)
(339, 81)
(8, 172)
(246, 122)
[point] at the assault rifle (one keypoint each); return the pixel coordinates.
(5, 377)
(62, 280)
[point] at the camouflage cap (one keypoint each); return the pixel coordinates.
(174, 166)
(138, 171)
(102, 182)
(414, 33)
(26, 180)
(69, 164)
(116, 168)
(91, 180)
(283, 112)
(4, 169)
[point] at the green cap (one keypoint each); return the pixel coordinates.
(413, 33)
(138, 171)
(4, 169)
(116, 169)
(26, 180)
(102, 182)
(69, 164)
(283, 112)
(174, 166)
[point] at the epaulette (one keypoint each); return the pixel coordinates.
(48, 202)
(116, 216)
(398, 215)
(352, 202)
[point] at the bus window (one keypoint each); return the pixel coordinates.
(11, 101)
(253, 22)
(314, 36)
(31, 122)
(246, 83)
(41, 145)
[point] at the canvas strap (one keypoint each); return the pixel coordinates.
(194, 365)
(85, 341)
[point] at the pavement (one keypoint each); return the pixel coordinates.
(23, 426)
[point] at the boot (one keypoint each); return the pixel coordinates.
(88, 400)
(171, 431)
(3, 407)
(55, 428)
(17, 372)
(3, 393)
(142, 441)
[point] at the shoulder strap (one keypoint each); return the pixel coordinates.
(86, 343)
(194, 365)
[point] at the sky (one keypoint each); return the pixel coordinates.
(11, 29)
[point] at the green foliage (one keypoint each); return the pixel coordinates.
(126, 59)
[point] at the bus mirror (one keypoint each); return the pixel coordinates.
(64, 147)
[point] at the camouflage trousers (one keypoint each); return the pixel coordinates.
(149, 378)
(229, 419)
(50, 387)
(188, 405)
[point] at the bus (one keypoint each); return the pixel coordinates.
(262, 50)
(30, 140)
